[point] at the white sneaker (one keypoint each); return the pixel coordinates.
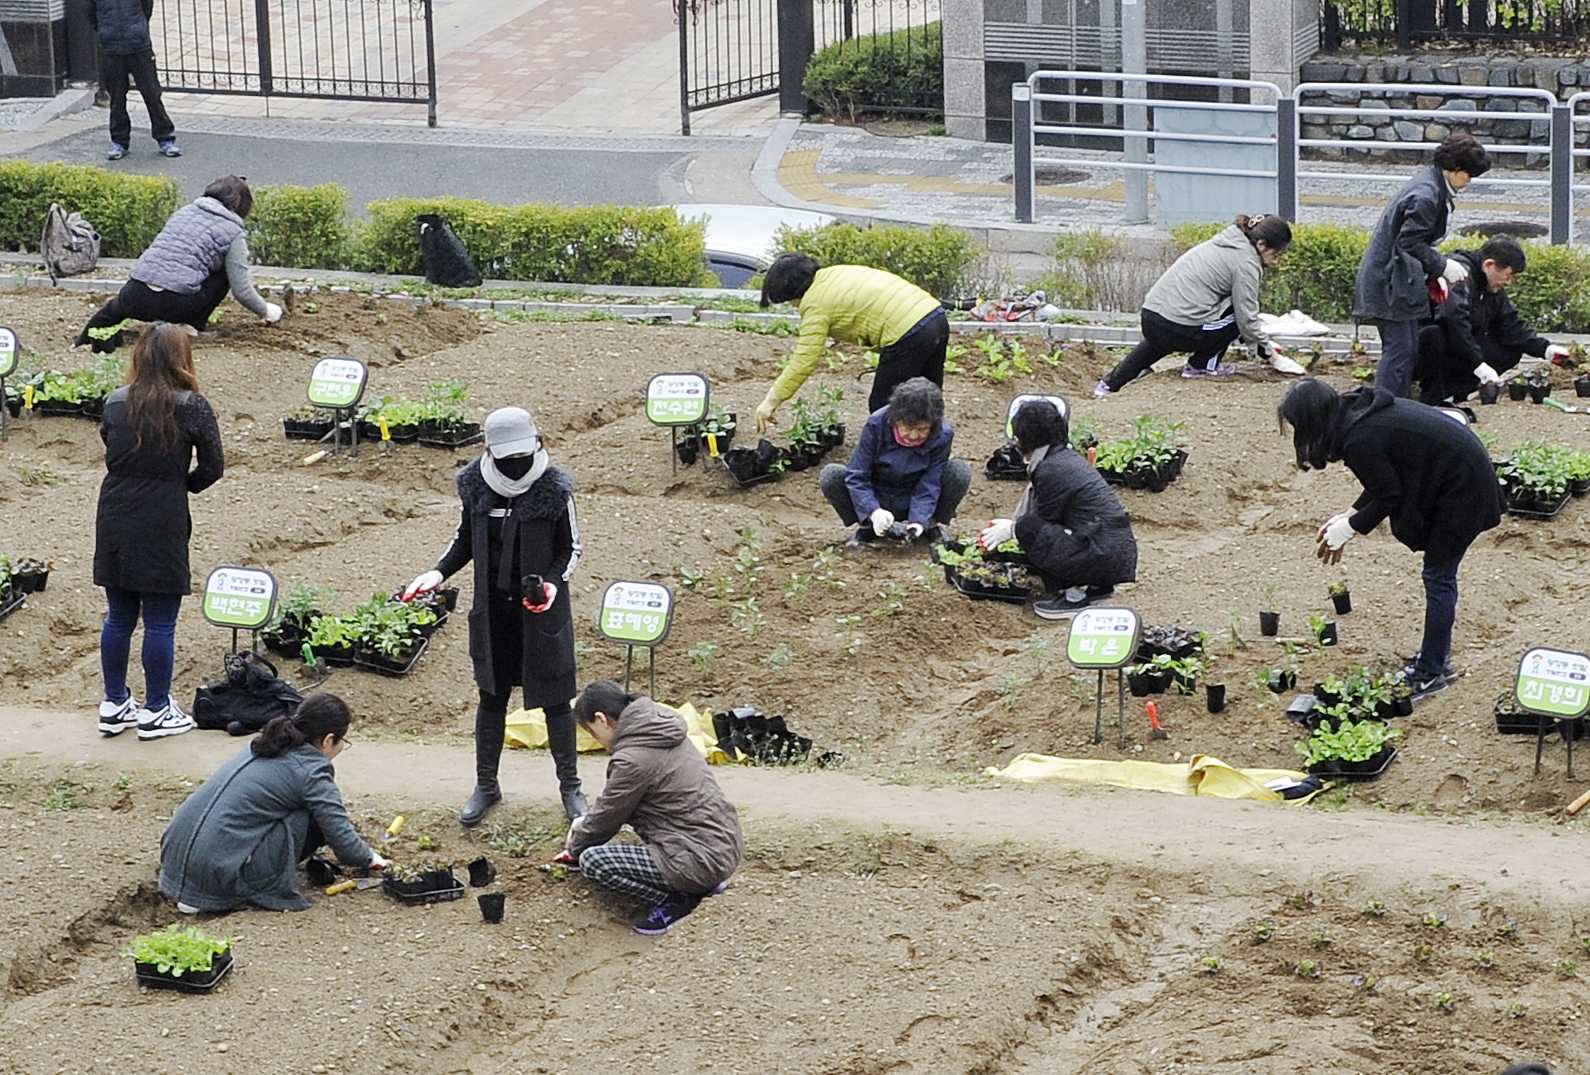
(117, 717)
(167, 720)
(1281, 364)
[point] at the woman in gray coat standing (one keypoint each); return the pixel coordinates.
(1402, 271)
(518, 526)
(237, 841)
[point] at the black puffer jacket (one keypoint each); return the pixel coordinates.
(1474, 312)
(1076, 529)
(122, 25)
(1428, 473)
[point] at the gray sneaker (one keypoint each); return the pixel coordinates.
(169, 719)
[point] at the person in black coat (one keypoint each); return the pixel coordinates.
(153, 429)
(1478, 334)
(1425, 471)
(126, 51)
(519, 527)
(1402, 270)
(1069, 522)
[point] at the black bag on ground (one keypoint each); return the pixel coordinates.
(250, 696)
(447, 261)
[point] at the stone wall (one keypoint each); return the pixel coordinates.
(1470, 78)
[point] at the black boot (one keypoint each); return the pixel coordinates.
(566, 758)
(490, 727)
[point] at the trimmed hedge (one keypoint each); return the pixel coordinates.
(593, 244)
(938, 260)
(879, 72)
(300, 227)
(128, 210)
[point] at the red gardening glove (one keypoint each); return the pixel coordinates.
(1439, 290)
(551, 596)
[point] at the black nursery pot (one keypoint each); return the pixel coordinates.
(1490, 393)
(687, 450)
(1282, 681)
(1216, 697)
(1269, 623)
(1581, 387)
(1343, 603)
(1402, 705)
(1517, 391)
(491, 905)
(482, 872)
(1327, 634)
(1538, 392)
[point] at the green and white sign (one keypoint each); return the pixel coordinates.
(8, 351)
(676, 399)
(636, 613)
(1554, 682)
(337, 382)
(1057, 402)
(239, 597)
(1103, 638)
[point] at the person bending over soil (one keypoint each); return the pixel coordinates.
(901, 470)
(1069, 522)
(200, 253)
(1429, 474)
(1478, 334)
(856, 304)
(237, 841)
(660, 785)
(1204, 301)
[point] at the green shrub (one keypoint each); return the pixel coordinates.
(1095, 271)
(938, 260)
(1553, 294)
(591, 244)
(1317, 275)
(128, 210)
(301, 227)
(880, 72)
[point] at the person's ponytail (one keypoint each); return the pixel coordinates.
(317, 716)
(1274, 230)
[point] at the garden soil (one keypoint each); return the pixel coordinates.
(902, 914)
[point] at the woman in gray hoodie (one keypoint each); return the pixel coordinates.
(1205, 300)
(659, 785)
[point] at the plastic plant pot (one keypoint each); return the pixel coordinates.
(1581, 387)
(1269, 623)
(1343, 602)
(1490, 393)
(1517, 391)
(482, 872)
(1215, 695)
(1327, 634)
(492, 905)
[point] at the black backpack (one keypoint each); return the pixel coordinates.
(250, 696)
(447, 260)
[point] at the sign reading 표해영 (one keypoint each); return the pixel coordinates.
(676, 399)
(636, 613)
(242, 597)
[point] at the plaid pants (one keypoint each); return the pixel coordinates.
(627, 869)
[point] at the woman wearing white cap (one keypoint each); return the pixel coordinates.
(519, 527)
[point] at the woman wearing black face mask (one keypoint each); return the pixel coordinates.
(519, 527)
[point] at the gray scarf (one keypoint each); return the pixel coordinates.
(1024, 505)
(511, 487)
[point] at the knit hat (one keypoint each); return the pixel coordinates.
(511, 431)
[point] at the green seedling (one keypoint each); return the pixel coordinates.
(1516, 1010)
(1212, 964)
(1299, 901)
(1374, 909)
(1322, 939)
(1444, 1002)
(1486, 959)
(1365, 983)
(1421, 952)
(691, 577)
(1308, 969)
(778, 660)
(1508, 930)
(177, 951)
(427, 842)
(705, 654)
(1263, 932)
(1566, 968)
(1433, 920)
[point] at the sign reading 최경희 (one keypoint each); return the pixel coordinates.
(636, 613)
(676, 399)
(1554, 682)
(241, 597)
(1103, 638)
(337, 382)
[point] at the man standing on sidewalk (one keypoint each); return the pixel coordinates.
(126, 50)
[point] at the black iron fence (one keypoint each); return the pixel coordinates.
(1406, 22)
(352, 50)
(902, 44)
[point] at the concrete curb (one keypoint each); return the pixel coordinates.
(76, 99)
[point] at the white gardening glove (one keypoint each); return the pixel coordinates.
(1333, 537)
(1455, 272)
(1555, 351)
(764, 413)
(424, 582)
(551, 596)
(273, 313)
(996, 533)
(1487, 375)
(378, 861)
(881, 520)
(1281, 364)
(913, 530)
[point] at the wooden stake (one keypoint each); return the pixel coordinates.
(1579, 803)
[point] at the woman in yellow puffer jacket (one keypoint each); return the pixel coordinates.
(856, 304)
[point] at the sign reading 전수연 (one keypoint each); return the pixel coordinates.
(636, 613)
(676, 399)
(241, 597)
(1554, 682)
(1103, 638)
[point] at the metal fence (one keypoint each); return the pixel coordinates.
(1403, 22)
(352, 50)
(900, 36)
(736, 50)
(1555, 143)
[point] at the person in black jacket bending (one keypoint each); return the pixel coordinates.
(1478, 334)
(1068, 522)
(519, 528)
(1428, 473)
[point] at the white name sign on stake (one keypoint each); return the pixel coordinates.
(1101, 639)
(239, 597)
(676, 399)
(8, 351)
(1554, 682)
(636, 613)
(337, 382)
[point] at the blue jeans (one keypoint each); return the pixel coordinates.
(160, 643)
(1399, 350)
(1440, 611)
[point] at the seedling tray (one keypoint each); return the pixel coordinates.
(149, 974)
(1541, 514)
(1356, 771)
(429, 889)
(470, 434)
(977, 591)
(10, 601)
(388, 666)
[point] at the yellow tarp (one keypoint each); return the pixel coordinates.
(528, 728)
(1200, 775)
